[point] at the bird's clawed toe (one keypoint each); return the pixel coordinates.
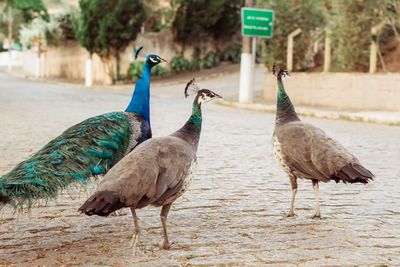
(166, 245)
(317, 215)
(291, 214)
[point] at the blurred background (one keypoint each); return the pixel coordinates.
(344, 51)
(336, 36)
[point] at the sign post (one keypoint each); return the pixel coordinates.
(255, 23)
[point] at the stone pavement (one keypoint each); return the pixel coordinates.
(233, 214)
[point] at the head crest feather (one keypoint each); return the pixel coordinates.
(192, 86)
(279, 73)
(137, 51)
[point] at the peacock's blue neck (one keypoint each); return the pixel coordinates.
(140, 101)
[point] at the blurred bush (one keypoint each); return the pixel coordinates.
(348, 22)
(67, 22)
(39, 31)
(211, 60)
(160, 71)
(198, 22)
(290, 15)
(180, 64)
(135, 70)
(231, 53)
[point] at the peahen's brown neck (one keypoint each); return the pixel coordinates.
(285, 111)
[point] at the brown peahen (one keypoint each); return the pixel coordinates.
(305, 151)
(156, 173)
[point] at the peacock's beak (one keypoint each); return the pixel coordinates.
(163, 60)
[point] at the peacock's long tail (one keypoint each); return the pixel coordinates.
(87, 149)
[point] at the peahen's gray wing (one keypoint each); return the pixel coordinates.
(150, 171)
(175, 160)
(310, 153)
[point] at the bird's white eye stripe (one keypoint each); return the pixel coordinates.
(153, 60)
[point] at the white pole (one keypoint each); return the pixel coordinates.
(246, 75)
(253, 50)
(373, 57)
(37, 70)
(253, 66)
(327, 51)
(289, 56)
(9, 38)
(246, 67)
(89, 72)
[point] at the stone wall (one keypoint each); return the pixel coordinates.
(346, 91)
(68, 60)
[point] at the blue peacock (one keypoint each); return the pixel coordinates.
(87, 149)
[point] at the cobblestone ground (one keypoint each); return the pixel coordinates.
(233, 213)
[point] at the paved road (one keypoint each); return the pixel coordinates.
(233, 213)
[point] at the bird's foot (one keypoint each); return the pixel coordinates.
(117, 213)
(134, 241)
(290, 214)
(316, 215)
(166, 245)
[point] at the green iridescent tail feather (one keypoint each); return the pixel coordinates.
(89, 148)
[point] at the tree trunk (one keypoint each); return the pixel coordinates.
(118, 65)
(89, 71)
(109, 70)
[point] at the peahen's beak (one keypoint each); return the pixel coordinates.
(217, 95)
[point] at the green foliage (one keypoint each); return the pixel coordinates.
(87, 26)
(159, 71)
(120, 26)
(38, 31)
(23, 12)
(180, 64)
(30, 9)
(135, 70)
(155, 23)
(211, 60)
(198, 64)
(107, 27)
(290, 15)
(351, 27)
(232, 53)
(67, 22)
(196, 21)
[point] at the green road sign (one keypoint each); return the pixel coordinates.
(257, 22)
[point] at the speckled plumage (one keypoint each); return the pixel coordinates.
(156, 173)
(305, 151)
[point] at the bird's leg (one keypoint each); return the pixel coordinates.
(136, 231)
(163, 215)
(293, 184)
(315, 185)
